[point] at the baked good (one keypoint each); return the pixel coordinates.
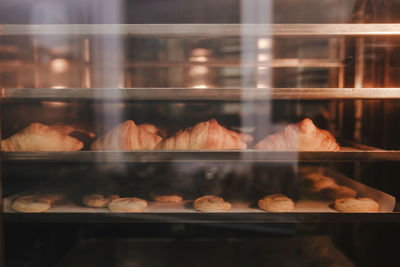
(209, 203)
(128, 204)
(276, 203)
(68, 129)
(32, 203)
(97, 200)
(208, 135)
(339, 191)
(165, 195)
(40, 137)
(247, 138)
(356, 205)
(323, 183)
(151, 128)
(303, 136)
(128, 136)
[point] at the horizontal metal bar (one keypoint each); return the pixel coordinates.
(274, 63)
(248, 156)
(208, 30)
(333, 217)
(234, 94)
(17, 65)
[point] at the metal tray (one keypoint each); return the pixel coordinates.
(249, 156)
(306, 210)
(209, 94)
(204, 30)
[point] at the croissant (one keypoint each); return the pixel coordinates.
(303, 136)
(40, 137)
(153, 129)
(247, 138)
(68, 129)
(204, 135)
(128, 136)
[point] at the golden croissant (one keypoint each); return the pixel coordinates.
(204, 135)
(128, 136)
(247, 138)
(303, 136)
(67, 130)
(40, 137)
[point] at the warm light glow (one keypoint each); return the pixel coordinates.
(198, 70)
(54, 104)
(200, 59)
(58, 87)
(263, 57)
(59, 65)
(200, 86)
(262, 85)
(264, 43)
(262, 68)
(199, 55)
(197, 52)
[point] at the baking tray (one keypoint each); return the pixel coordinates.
(208, 94)
(306, 209)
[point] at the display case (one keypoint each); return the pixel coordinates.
(183, 133)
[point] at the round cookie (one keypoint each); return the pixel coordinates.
(32, 203)
(165, 195)
(276, 203)
(339, 191)
(356, 205)
(97, 200)
(209, 203)
(128, 204)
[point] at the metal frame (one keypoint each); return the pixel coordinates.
(210, 94)
(245, 156)
(200, 217)
(209, 30)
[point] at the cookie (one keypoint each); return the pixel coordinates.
(32, 203)
(97, 200)
(339, 192)
(356, 205)
(276, 203)
(209, 203)
(165, 195)
(128, 204)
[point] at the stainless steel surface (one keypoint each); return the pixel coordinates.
(251, 156)
(274, 63)
(209, 30)
(314, 217)
(200, 94)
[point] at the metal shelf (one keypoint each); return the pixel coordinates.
(249, 156)
(274, 63)
(204, 30)
(234, 94)
(311, 217)
(17, 65)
